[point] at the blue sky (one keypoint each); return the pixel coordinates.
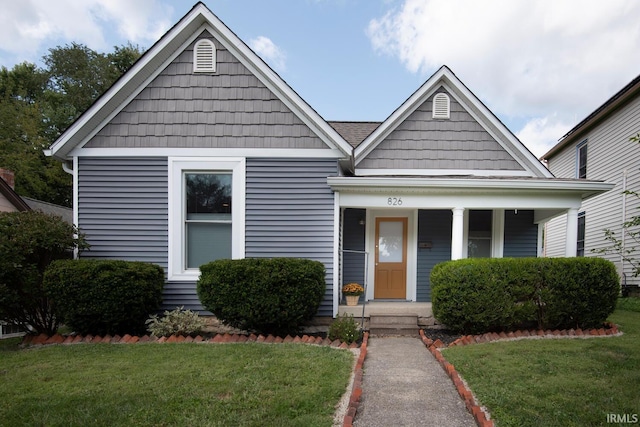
(540, 66)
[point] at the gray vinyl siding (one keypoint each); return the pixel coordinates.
(520, 234)
(609, 154)
(290, 213)
(434, 226)
(230, 108)
(353, 238)
(123, 208)
(421, 142)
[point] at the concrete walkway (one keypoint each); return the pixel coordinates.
(403, 385)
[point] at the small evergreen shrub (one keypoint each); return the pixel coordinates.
(29, 242)
(482, 295)
(100, 297)
(271, 296)
(345, 328)
(175, 322)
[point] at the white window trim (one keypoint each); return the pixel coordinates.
(197, 66)
(578, 148)
(177, 166)
(437, 99)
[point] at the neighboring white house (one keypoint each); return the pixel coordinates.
(598, 148)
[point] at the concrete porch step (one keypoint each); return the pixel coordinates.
(405, 324)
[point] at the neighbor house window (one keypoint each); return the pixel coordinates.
(581, 230)
(441, 106)
(206, 213)
(581, 160)
(204, 56)
(479, 242)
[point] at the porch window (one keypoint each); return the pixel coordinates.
(581, 233)
(480, 242)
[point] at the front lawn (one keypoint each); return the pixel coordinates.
(172, 385)
(556, 382)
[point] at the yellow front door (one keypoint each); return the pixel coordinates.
(391, 259)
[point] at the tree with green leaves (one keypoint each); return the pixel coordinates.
(38, 104)
(29, 242)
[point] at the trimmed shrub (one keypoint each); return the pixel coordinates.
(271, 296)
(175, 322)
(482, 295)
(29, 241)
(345, 328)
(100, 297)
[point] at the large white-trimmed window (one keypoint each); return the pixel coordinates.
(206, 213)
(581, 160)
(204, 56)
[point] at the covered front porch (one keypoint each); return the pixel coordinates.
(390, 237)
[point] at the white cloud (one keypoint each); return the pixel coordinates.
(542, 133)
(30, 26)
(268, 50)
(534, 59)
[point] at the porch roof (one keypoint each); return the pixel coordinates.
(455, 184)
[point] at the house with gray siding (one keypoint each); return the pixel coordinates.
(201, 151)
(598, 148)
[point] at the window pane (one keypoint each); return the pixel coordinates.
(479, 248)
(208, 196)
(480, 224)
(207, 242)
(581, 232)
(582, 161)
(390, 244)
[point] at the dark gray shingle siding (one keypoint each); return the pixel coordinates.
(421, 142)
(228, 109)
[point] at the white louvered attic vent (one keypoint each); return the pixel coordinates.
(204, 57)
(441, 106)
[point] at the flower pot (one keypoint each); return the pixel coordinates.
(352, 299)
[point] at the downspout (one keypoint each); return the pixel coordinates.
(624, 219)
(67, 168)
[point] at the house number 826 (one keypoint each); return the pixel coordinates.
(394, 201)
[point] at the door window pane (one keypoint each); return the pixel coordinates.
(390, 241)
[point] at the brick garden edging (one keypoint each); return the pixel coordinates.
(356, 389)
(43, 339)
(481, 416)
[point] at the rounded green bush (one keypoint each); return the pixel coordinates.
(272, 296)
(100, 297)
(483, 295)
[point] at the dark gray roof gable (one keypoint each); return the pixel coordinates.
(354, 132)
(199, 18)
(445, 77)
(624, 95)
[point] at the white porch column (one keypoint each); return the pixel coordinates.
(572, 233)
(457, 233)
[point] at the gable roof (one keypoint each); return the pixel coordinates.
(446, 78)
(354, 132)
(621, 97)
(149, 65)
(49, 208)
(13, 197)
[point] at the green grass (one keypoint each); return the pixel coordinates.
(563, 382)
(629, 304)
(172, 385)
